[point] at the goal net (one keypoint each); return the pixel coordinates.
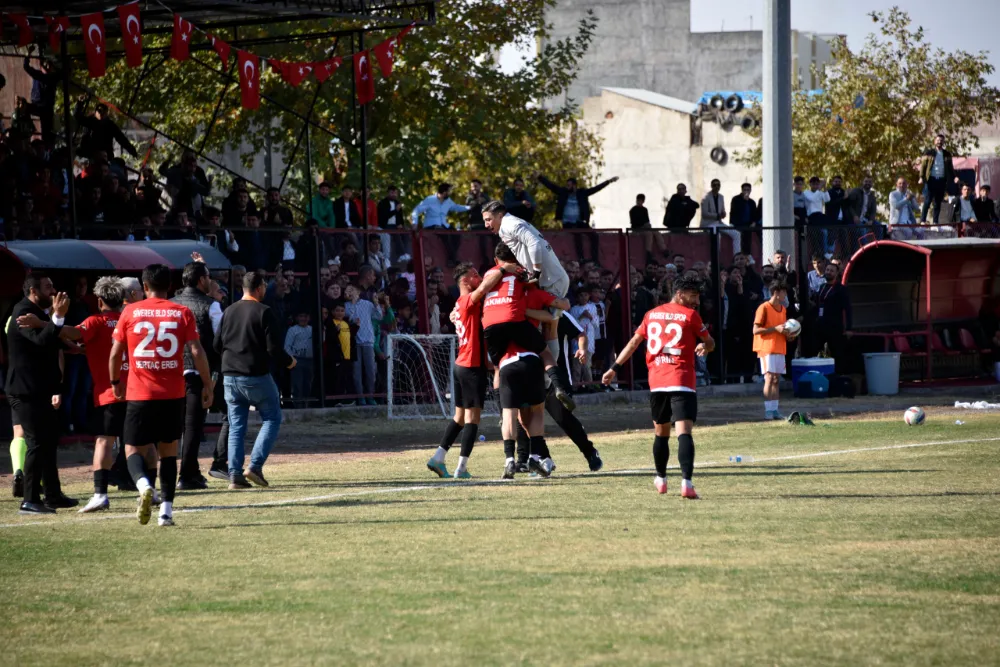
(420, 383)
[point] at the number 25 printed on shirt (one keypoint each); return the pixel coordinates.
(161, 334)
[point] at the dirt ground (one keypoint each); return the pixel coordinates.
(354, 435)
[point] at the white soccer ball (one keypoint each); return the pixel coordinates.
(793, 327)
(914, 416)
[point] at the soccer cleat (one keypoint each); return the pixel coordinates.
(145, 509)
(772, 415)
(438, 469)
(539, 468)
(563, 397)
(462, 474)
(165, 520)
(257, 477)
(549, 465)
(689, 493)
(157, 498)
(661, 484)
(508, 470)
(96, 504)
(17, 486)
(595, 462)
(521, 466)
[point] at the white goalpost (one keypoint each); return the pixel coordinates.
(420, 382)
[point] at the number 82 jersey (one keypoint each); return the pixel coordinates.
(672, 333)
(155, 332)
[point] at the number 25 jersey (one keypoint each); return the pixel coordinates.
(672, 333)
(155, 332)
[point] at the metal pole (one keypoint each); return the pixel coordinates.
(320, 324)
(68, 130)
(720, 345)
(309, 171)
(364, 156)
(777, 125)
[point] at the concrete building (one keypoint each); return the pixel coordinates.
(652, 142)
(648, 45)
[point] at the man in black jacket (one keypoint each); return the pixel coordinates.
(249, 339)
(573, 208)
(833, 318)
(680, 210)
(743, 215)
(33, 391)
(207, 315)
(936, 172)
(390, 217)
(44, 86)
(102, 132)
(984, 207)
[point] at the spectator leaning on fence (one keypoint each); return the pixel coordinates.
(984, 207)
(903, 210)
(816, 199)
(435, 210)
(713, 206)
(964, 208)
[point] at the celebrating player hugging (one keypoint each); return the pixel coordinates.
(673, 334)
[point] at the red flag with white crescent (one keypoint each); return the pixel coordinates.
(325, 69)
(92, 26)
(57, 26)
(249, 66)
(24, 34)
(222, 48)
(180, 46)
(364, 82)
(295, 73)
(131, 27)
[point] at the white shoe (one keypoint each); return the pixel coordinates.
(165, 520)
(96, 504)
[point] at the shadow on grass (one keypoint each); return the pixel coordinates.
(382, 522)
(881, 496)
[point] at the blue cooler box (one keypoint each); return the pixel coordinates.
(802, 366)
(812, 385)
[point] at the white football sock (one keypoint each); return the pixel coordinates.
(510, 459)
(167, 508)
(536, 457)
(143, 484)
(439, 455)
(686, 484)
(463, 461)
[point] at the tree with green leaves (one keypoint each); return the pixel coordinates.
(447, 112)
(877, 109)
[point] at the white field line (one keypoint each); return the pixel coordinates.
(463, 485)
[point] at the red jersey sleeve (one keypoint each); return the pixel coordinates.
(190, 332)
(538, 299)
(641, 330)
(88, 329)
(122, 327)
(698, 324)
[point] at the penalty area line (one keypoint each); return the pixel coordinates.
(485, 482)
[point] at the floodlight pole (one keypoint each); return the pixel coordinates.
(777, 127)
(68, 130)
(364, 153)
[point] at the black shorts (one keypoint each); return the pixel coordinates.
(499, 337)
(669, 407)
(522, 383)
(110, 419)
(152, 422)
(470, 387)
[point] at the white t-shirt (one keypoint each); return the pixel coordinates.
(815, 200)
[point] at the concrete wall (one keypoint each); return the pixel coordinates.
(649, 149)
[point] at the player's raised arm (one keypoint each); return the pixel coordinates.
(490, 282)
(707, 344)
(623, 356)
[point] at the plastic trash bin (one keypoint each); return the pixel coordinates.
(882, 373)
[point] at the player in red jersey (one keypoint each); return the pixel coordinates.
(504, 322)
(154, 332)
(470, 374)
(673, 334)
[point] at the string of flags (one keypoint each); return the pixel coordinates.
(248, 64)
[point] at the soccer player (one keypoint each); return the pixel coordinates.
(507, 324)
(95, 333)
(522, 398)
(535, 254)
(769, 342)
(674, 333)
(470, 375)
(155, 332)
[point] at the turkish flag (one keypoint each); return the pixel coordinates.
(24, 35)
(57, 26)
(222, 48)
(325, 69)
(364, 82)
(249, 66)
(295, 73)
(180, 46)
(128, 16)
(93, 43)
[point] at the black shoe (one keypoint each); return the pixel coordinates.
(195, 484)
(257, 477)
(238, 481)
(521, 466)
(508, 470)
(219, 473)
(535, 466)
(61, 502)
(17, 486)
(595, 461)
(563, 397)
(35, 508)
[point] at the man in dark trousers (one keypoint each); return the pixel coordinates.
(569, 331)
(573, 209)
(102, 132)
(833, 318)
(743, 215)
(249, 340)
(207, 315)
(33, 391)
(936, 172)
